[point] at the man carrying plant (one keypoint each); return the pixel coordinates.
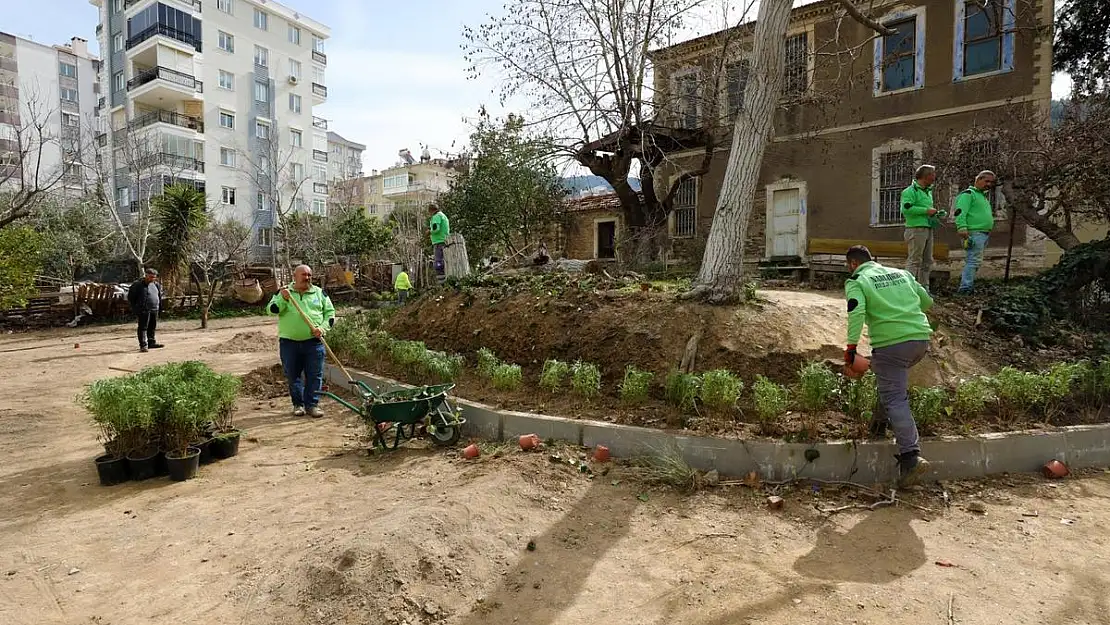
(439, 229)
(145, 298)
(892, 305)
(974, 222)
(922, 220)
(303, 310)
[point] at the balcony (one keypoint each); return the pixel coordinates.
(319, 90)
(165, 31)
(192, 4)
(174, 162)
(320, 57)
(156, 85)
(320, 156)
(167, 117)
(320, 187)
(320, 122)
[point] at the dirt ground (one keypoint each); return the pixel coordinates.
(302, 527)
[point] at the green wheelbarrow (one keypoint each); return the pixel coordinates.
(402, 415)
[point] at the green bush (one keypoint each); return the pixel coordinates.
(442, 366)
(720, 390)
(972, 398)
(487, 362)
(636, 385)
(682, 389)
(585, 379)
(554, 375)
(817, 386)
(861, 397)
(928, 407)
(507, 377)
(771, 401)
(409, 355)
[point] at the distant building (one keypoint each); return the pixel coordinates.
(55, 88)
(407, 184)
(344, 158)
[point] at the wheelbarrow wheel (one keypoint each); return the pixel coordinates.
(442, 433)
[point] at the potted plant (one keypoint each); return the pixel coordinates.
(225, 444)
(181, 426)
(111, 403)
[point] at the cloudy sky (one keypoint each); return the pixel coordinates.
(396, 78)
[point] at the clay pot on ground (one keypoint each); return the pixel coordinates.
(601, 453)
(528, 442)
(471, 452)
(1055, 470)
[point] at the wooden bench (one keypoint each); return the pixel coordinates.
(880, 249)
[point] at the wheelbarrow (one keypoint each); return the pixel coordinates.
(402, 415)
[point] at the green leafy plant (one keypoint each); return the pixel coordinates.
(861, 397)
(443, 367)
(771, 402)
(487, 362)
(636, 385)
(681, 390)
(817, 386)
(507, 377)
(554, 375)
(408, 354)
(121, 408)
(972, 398)
(720, 390)
(927, 404)
(585, 379)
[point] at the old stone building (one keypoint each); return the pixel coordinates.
(859, 113)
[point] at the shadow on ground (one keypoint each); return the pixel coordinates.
(879, 549)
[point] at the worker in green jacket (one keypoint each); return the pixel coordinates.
(439, 228)
(922, 221)
(892, 304)
(402, 285)
(300, 346)
(974, 222)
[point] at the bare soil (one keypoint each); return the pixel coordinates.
(304, 528)
(245, 342)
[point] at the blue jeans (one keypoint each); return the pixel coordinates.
(303, 362)
(976, 244)
(892, 365)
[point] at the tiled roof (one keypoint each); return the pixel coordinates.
(604, 202)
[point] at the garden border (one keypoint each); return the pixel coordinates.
(951, 457)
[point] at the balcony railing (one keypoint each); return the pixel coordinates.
(196, 4)
(173, 161)
(167, 74)
(320, 57)
(167, 31)
(320, 187)
(320, 122)
(167, 117)
(320, 155)
(320, 90)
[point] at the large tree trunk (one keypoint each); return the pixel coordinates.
(723, 264)
(1027, 209)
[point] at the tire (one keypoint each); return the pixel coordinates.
(444, 435)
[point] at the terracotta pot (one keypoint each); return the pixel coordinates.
(601, 453)
(860, 365)
(645, 286)
(528, 442)
(1055, 470)
(471, 452)
(76, 346)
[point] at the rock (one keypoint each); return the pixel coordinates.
(713, 478)
(977, 507)
(431, 609)
(74, 571)
(775, 503)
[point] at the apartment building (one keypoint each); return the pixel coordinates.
(407, 184)
(344, 158)
(219, 95)
(54, 88)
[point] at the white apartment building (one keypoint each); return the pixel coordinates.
(344, 158)
(224, 96)
(55, 88)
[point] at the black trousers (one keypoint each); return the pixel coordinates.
(148, 323)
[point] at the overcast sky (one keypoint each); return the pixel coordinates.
(396, 77)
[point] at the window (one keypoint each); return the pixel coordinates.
(317, 45)
(736, 75)
(294, 68)
(224, 5)
(294, 35)
(119, 6)
(117, 81)
(227, 157)
(398, 181)
(319, 206)
(261, 19)
(229, 196)
(797, 65)
(261, 92)
(296, 138)
(71, 120)
(318, 75)
(227, 42)
(227, 120)
(895, 174)
(69, 95)
(67, 69)
(260, 202)
(299, 204)
(898, 66)
(686, 208)
(686, 89)
(123, 196)
(294, 103)
(984, 37)
(117, 42)
(262, 130)
(264, 163)
(296, 172)
(984, 153)
(261, 56)
(319, 173)
(265, 237)
(227, 80)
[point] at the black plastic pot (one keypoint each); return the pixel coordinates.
(143, 464)
(185, 468)
(160, 467)
(225, 445)
(205, 447)
(112, 470)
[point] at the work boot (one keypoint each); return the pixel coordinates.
(143, 349)
(156, 346)
(298, 411)
(315, 412)
(911, 467)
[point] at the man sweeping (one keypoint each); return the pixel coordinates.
(300, 345)
(892, 304)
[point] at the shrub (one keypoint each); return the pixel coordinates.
(720, 389)
(928, 407)
(487, 362)
(380, 342)
(771, 401)
(506, 377)
(681, 390)
(443, 367)
(408, 354)
(666, 467)
(817, 386)
(585, 379)
(636, 385)
(861, 396)
(554, 375)
(1019, 391)
(122, 410)
(972, 398)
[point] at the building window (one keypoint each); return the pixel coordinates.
(117, 81)
(117, 42)
(227, 120)
(261, 56)
(796, 77)
(227, 157)
(317, 45)
(227, 80)
(294, 68)
(264, 163)
(686, 208)
(398, 181)
(265, 237)
(69, 95)
(318, 75)
(225, 6)
(319, 173)
(686, 89)
(899, 58)
(296, 171)
(984, 37)
(262, 130)
(736, 75)
(260, 202)
(294, 103)
(123, 197)
(296, 138)
(229, 196)
(226, 42)
(261, 20)
(294, 35)
(319, 206)
(68, 70)
(261, 92)
(119, 6)
(71, 120)
(984, 153)
(895, 174)
(299, 205)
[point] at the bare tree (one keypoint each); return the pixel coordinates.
(30, 152)
(409, 237)
(223, 246)
(282, 176)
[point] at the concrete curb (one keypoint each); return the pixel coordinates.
(952, 457)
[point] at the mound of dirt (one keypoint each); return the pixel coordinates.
(244, 342)
(265, 383)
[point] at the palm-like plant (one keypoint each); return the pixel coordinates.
(179, 216)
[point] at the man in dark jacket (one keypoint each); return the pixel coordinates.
(145, 298)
